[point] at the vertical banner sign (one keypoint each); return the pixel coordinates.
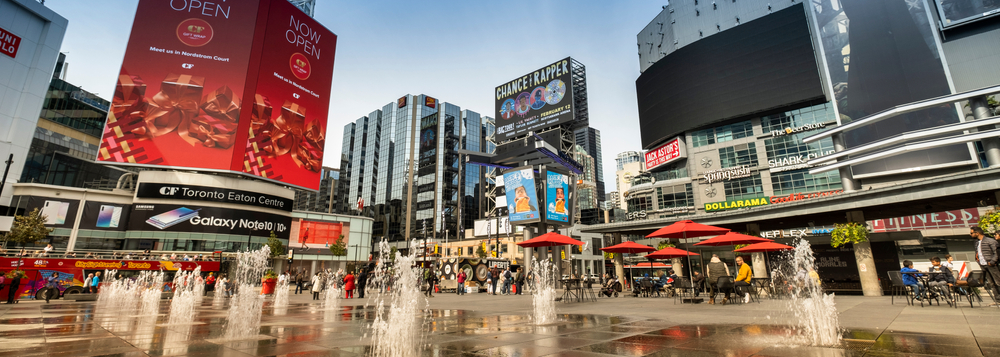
(187, 94)
(557, 197)
(522, 198)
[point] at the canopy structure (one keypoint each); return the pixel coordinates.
(732, 238)
(764, 247)
(550, 239)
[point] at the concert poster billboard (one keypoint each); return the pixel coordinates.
(558, 207)
(199, 77)
(213, 220)
(522, 196)
(534, 101)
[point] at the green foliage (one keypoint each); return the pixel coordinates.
(274, 243)
(738, 246)
(392, 254)
(848, 233)
(270, 274)
(339, 248)
(665, 244)
(27, 229)
(480, 252)
(15, 273)
(990, 221)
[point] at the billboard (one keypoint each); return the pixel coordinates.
(105, 216)
(672, 151)
(173, 191)
(200, 219)
(534, 101)
(59, 213)
(319, 235)
(201, 80)
(558, 208)
(522, 198)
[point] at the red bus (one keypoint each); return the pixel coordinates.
(72, 272)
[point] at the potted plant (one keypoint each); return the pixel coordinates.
(990, 221)
(270, 280)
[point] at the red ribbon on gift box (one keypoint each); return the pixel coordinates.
(217, 126)
(177, 100)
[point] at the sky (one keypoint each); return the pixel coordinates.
(456, 51)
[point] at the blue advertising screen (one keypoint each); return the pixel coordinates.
(522, 200)
(556, 197)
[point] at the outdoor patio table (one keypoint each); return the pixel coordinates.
(572, 289)
(925, 277)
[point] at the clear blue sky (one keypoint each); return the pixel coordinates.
(457, 51)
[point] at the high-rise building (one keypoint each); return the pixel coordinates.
(66, 140)
(627, 157)
(613, 201)
(623, 179)
(307, 6)
(590, 139)
(401, 166)
(322, 200)
(587, 192)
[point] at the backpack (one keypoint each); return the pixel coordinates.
(506, 274)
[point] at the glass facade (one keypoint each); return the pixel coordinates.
(747, 187)
(722, 133)
(675, 196)
(738, 155)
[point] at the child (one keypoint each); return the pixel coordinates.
(941, 282)
(911, 279)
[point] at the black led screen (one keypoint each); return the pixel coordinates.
(757, 66)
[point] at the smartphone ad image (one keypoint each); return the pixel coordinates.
(109, 216)
(168, 219)
(55, 212)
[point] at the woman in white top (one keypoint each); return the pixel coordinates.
(317, 286)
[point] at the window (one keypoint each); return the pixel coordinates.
(801, 181)
(747, 187)
(675, 196)
(738, 155)
(722, 133)
(640, 203)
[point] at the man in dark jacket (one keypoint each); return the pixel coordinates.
(362, 281)
(494, 277)
(986, 256)
(14, 284)
(300, 280)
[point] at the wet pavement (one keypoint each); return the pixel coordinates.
(482, 325)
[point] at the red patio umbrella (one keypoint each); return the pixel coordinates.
(669, 253)
(732, 238)
(630, 248)
(550, 239)
(687, 229)
(764, 247)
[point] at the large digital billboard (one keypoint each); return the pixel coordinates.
(522, 196)
(534, 101)
(200, 78)
(558, 206)
(761, 65)
(200, 219)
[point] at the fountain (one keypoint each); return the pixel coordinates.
(543, 295)
(126, 298)
(396, 329)
(149, 297)
(219, 297)
(815, 311)
(281, 292)
(330, 301)
(243, 321)
(185, 297)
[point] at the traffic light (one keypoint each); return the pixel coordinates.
(291, 256)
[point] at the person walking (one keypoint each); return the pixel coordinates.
(431, 278)
(362, 283)
(51, 286)
(986, 256)
(519, 281)
(15, 283)
(300, 279)
(349, 286)
(460, 290)
(210, 283)
(716, 270)
(95, 284)
(317, 285)
(494, 278)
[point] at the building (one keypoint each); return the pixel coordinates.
(626, 158)
(67, 138)
(587, 194)
(841, 131)
(613, 201)
(401, 166)
(307, 6)
(590, 140)
(30, 37)
(322, 200)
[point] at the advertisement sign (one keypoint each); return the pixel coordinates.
(960, 218)
(803, 196)
(401, 102)
(727, 174)
(198, 219)
(557, 198)
(734, 204)
(428, 140)
(795, 162)
(430, 102)
(319, 235)
(173, 191)
(672, 151)
(105, 216)
(9, 43)
(59, 213)
(534, 101)
(199, 77)
(522, 198)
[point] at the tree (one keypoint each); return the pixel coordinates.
(27, 229)
(664, 244)
(481, 252)
(277, 248)
(845, 233)
(339, 248)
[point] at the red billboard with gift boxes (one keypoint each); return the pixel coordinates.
(232, 86)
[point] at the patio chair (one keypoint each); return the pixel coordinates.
(588, 291)
(971, 287)
(896, 279)
(727, 284)
(646, 288)
(762, 284)
(683, 285)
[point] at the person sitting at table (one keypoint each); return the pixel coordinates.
(911, 279)
(716, 270)
(661, 282)
(940, 283)
(742, 284)
(697, 282)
